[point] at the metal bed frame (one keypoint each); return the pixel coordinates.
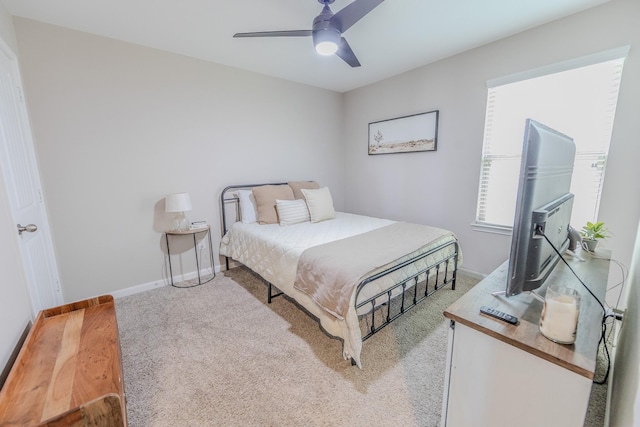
(384, 307)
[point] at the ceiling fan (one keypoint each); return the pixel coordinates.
(327, 29)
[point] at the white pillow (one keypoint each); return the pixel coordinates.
(292, 211)
(320, 204)
(248, 210)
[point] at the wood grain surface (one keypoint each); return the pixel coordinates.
(69, 367)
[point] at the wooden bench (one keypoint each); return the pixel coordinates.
(69, 370)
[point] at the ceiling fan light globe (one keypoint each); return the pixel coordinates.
(326, 48)
(326, 40)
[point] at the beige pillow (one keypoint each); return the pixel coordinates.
(266, 196)
(320, 204)
(296, 186)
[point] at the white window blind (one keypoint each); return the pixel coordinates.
(580, 102)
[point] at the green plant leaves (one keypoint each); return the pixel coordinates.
(594, 231)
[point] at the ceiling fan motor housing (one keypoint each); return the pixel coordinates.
(323, 31)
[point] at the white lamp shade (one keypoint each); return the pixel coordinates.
(178, 202)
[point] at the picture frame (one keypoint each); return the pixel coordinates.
(407, 134)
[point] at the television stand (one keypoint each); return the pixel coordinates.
(501, 374)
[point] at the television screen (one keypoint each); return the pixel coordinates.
(544, 203)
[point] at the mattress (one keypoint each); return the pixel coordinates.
(273, 252)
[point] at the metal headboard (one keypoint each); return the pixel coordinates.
(230, 198)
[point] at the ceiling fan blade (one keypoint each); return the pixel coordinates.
(291, 33)
(352, 13)
(346, 54)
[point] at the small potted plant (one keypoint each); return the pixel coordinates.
(591, 233)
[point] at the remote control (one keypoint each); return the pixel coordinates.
(498, 315)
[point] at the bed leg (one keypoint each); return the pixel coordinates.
(270, 294)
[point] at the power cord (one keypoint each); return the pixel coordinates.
(623, 272)
(540, 232)
(605, 314)
(603, 341)
(621, 283)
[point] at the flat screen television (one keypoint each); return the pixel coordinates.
(543, 203)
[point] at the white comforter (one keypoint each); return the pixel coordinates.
(273, 251)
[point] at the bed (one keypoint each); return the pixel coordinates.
(291, 236)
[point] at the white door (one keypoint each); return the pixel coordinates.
(19, 167)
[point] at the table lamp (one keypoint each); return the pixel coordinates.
(180, 203)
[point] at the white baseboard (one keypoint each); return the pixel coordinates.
(138, 288)
(472, 274)
(161, 282)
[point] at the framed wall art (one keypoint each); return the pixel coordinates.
(418, 132)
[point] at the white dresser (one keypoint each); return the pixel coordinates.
(504, 375)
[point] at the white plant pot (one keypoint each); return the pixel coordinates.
(589, 245)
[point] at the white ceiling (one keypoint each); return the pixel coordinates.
(397, 36)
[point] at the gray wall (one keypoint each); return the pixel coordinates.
(441, 188)
(624, 398)
(118, 126)
(7, 32)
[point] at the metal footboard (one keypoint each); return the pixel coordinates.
(385, 307)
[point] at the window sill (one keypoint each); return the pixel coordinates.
(491, 228)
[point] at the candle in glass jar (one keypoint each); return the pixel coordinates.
(559, 319)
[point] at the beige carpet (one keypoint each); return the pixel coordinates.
(218, 355)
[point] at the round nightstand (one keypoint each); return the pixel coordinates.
(193, 232)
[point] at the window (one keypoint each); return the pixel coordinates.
(574, 98)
